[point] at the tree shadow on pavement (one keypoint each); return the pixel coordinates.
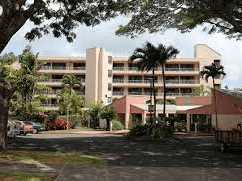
(119, 151)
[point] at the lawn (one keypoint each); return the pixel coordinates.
(21, 176)
(51, 158)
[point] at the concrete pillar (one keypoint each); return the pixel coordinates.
(144, 118)
(126, 126)
(188, 123)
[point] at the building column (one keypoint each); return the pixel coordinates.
(126, 124)
(144, 118)
(188, 122)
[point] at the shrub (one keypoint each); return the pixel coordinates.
(117, 125)
(53, 115)
(158, 130)
(139, 130)
(58, 124)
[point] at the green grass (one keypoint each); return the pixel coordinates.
(84, 129)
(21, 176)
(51, 158)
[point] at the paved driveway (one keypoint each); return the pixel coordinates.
(192, 159)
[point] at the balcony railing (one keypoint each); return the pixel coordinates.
(166, 69)
(115, 93)
(161, 94)
(61, 68)
(52, 80)
(133, 68)
(149, 82)
(135, 81)
(56, 81)
(118, 80)
(168, 94)
(181, 69)
(119, 68)
(135, 93)
(78, 68)
(49, 92)
(49, 105)
(189, 82)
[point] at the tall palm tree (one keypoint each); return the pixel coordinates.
(213, 71)
(70, 81)
(151, 57)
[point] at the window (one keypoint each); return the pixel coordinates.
(110, 60)
(110, 73)
(109, 87)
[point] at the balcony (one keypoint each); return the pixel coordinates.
(118, 93)
(159, 94)
(58, 68)
(135, 81)
(169, 94)
(79, 68)
(118, 80)
(135, 93)
(53, 107)
(62, 69)
(138, 82)
(133, 69)
(172, 71)
(119, 68)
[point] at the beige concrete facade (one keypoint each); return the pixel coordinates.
(106, 77)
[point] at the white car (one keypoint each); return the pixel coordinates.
(13, 131)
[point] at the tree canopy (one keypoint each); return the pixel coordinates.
(155, 15)
(59, 17)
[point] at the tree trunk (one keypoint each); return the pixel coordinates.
(164, 90)
(108, 125)
(215, 105)
(10, 22)
(4, 107)
(154, 93)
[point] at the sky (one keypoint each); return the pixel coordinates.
(104, 36)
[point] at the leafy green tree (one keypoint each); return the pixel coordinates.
(109, 114)
(50, 16)
(213, 71)
(156, 15)
(25, 101)
(70, 103)
(18, 83)
(94, 112)
(8, 77)
(150, 58)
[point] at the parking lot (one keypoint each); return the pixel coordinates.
(186, 159)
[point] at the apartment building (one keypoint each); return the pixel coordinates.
(106, 77)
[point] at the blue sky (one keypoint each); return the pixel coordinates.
(104, 36)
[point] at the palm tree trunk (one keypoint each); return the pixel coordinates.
(164, 90)
(215, 105)
(154, 92)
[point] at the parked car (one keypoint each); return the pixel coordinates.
(25, 127)
(13, 130)
(37, 127)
